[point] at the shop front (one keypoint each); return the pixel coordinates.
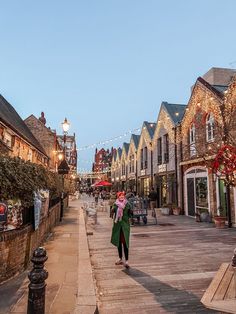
(197, 199)
(144, 187)
(132, 184)
(166, 189)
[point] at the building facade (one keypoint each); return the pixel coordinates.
(68, 143)
(132, 174)
(47, 138)
(145, 159)
(202, 136)
(166, 156)
(16, 139)
(124, 166)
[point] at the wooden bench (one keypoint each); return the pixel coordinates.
(221, 294)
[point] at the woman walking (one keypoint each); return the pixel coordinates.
(121, 228)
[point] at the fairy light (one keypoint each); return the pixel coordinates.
(108, 140)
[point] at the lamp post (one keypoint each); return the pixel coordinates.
(64, 166)
(65, 127)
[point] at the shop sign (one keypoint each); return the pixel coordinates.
(143, 172)
(162, 168)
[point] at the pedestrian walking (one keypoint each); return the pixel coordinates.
(153, 199)
(96, 196)
(121, 228)
(103, 195)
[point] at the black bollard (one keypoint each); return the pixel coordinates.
(37, 277)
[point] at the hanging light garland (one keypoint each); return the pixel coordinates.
(108, 141)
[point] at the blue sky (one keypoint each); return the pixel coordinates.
(106, 65)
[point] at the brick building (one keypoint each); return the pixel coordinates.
(202, 136)
(46, 137)
(165, 155)
(68, 144)
(102, 161)
(145, 158)
(16, 139)
(132, 175)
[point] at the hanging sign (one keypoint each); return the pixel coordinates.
(37, 209)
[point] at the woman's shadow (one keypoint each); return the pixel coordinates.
(171, 299)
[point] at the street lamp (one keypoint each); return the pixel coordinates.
(63, 168)
(65, 126)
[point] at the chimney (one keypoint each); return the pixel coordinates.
(42, 118)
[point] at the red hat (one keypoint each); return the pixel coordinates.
(120, 193)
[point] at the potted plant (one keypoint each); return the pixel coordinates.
(220, 218)
(176, 210)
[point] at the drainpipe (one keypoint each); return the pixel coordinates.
(176, 169)
(228, 203)
(136, 174)
(151, 168)
(181, 172)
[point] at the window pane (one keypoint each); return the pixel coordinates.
(201, 192)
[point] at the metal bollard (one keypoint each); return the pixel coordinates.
(37, 277)
(234, 267)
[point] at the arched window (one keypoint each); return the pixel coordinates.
(192, 132)
(210, 125)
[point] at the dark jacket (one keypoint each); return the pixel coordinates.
(152, 196)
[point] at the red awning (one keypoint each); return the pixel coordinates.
(102, 183)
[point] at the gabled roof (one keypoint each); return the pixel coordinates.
(48, 129)
(126, 147)
(217, 90)
(150, 126)
(11, 118)
(136, 139)
(214, 88)
(175, 111)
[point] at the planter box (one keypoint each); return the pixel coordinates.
(176, 211)
(220, 222)
(165, 211)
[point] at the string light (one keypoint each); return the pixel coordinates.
(109, 140)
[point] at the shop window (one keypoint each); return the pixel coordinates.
(145, 158)
(166, 148)
(141, 159)
(201, 192)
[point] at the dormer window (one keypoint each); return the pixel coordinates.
(210, 125)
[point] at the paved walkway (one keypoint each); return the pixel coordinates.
(63, 268)
(172, 264)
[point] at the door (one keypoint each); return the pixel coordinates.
(190, 196)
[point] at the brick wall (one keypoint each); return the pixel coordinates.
(17, 246)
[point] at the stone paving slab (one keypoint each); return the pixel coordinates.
(171, 265)
(70, 286)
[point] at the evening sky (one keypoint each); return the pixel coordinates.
(107, 65)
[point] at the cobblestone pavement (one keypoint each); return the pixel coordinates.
(172, 264)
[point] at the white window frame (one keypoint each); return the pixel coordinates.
(210, 122)
(192, 140)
